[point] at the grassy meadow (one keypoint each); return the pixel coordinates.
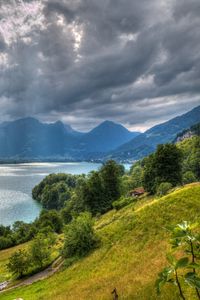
(133, 249)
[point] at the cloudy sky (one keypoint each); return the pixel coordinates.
(84, 61)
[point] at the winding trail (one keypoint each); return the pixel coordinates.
(52, 269)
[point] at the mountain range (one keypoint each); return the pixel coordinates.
(30, 139)
(146, 142)
(27, 139)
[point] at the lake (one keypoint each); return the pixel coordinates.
(17, 181)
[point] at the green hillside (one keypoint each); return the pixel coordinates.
(132, 251)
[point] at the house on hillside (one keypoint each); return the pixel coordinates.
(137, 192)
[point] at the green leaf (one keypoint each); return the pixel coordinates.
(163, 278)
(193, 266)
(175, 242)
(159, 283)
(192, 280)
(179, 234)
(184, 225)
(182, 263)
(171, 259)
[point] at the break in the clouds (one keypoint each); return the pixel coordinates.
(84, 61)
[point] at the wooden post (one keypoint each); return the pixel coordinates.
(115, 295)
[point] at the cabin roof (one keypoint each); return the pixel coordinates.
(139, 190)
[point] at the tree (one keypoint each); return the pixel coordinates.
(18, 263)
(66, 213)
(22, 232)
(93, 194)
(111, 173)
(149, 175)
(58, 184)
(40, 250)
(50, 219)
(132, 180)
(197, 158)
(97, 192)
(168, 159)
(165, 165)
(50, 197)
(79, 236)
(136, 174)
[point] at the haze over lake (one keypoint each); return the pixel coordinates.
(17, 181)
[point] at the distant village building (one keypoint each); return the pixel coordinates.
(137, 192)
(186, 135)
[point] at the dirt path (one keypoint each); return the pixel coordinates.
(55, 267)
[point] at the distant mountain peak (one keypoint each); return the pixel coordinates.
(108, 123)
(27, 119)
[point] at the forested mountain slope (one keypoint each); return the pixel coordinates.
(146, 143)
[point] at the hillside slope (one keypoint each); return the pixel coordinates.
(132, 252)
(146, 143)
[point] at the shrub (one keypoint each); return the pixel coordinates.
(79, 236)
(5, 242)
(122, 202)
(163, 188)
(189, 177)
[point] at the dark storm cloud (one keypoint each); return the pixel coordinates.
(83, 61)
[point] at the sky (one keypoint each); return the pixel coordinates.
(85, 61)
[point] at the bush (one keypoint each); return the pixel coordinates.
(189, 177)
(122, 202)
(163, 188)
(79, 236)
(5, 242)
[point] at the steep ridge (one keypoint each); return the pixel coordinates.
(146, 143)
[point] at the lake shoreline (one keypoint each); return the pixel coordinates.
(18, 180)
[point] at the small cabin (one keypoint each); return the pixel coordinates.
(137, 192)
